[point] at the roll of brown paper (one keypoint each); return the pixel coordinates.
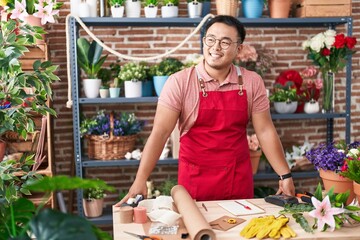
(126, 214)
(195, 223)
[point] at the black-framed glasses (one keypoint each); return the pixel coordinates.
(224, 42)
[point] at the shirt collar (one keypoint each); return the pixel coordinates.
(232, 77)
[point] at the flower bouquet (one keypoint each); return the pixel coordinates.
(329, 212)
(110, 136)
(329, 51)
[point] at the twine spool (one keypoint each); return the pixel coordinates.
(140, 215)
(126, 214)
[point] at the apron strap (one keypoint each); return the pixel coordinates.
(202, 83)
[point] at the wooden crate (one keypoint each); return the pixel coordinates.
(322, 8)
(38, 52)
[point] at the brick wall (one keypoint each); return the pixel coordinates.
(141, 41)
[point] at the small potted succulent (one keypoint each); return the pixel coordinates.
(150, 8)
(284, 98)
(93, 201)
(194, 8)
(117, 8)
(170, 8)
(132, 8)
(133, 74)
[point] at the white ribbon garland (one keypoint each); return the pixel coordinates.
(69, 103)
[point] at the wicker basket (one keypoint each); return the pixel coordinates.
(227, 7)
(111, 147)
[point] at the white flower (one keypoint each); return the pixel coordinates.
(354, 152)
(317, 42)
(305, 44)
(330, 33)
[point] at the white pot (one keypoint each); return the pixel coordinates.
(133, 89)
(284, 107)
(150, 12)
(117, 12)
(194, 9)
(104, 93)
(114, 92)
(93, 7)
(312, 107)
(132, 8)
(91, 87)
(85, 10)
(169, 11)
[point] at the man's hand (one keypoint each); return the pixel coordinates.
(286, 187)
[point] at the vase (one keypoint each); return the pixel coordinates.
(93, 207)
(133, 89)
(117, 12)
(340, 184)
(194, 9)
(328, 91)
(255, 159)
(285, 107)
(151, 11)
(357, 190)
(252, 8)
(312, 107)
(279, 8)
(132, 8)
(159, 82)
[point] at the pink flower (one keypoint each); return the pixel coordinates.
(324, 213)
(247, 54)
(19, 11)
(46, 13)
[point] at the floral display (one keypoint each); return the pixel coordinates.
(351, 167)
(253, 142)
(312, 84)
(259, 60)
(298, 152)
(133, 72)
(290, 76)
(46, 10)
(329, 51)
(328, 212)
(330, 156)
(124, 124)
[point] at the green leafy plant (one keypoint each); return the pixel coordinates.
(16, 105)
(170, 2)
(105, 75)
(351, 168)
(284, 93)
(166, 187)
(89, 57)
(133, 72)
(324, 208)
(21, 219)
(150, 3)
(94, 193)
(166, 67)
(116, 3)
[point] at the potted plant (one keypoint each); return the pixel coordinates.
(255, 152)
(132, 74)
(284, 98)
(163, 70)
(117, 8)
(105, 75)
(133, 8)
(93, 201)
(170, 8)
(252, 8)
(351, 168)
(329, 160)
(90, 61)
(194, 8)
(279, 8)
(311, 89)
(110, 136)
(150, 8)
(17, 106)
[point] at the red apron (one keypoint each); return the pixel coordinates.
(214, 161)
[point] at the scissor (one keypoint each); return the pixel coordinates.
(145, 237)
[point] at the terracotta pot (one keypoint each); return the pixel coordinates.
(279, 8)
(93, 208)
(2, 149)
(255, 159)
(357, 190)
(341, 184)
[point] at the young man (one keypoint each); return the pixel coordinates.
(213, 103)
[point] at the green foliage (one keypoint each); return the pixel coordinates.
(20, 219)
(116, 3)
(149, 3)
(353, 170)
(300, 219)
(89, 57)
(105, 75)
(133, 72)
(166, 187)
(94, 193)
(189, 1)
(166, 67)
(16, 105)
(284, 93)
(170, 3)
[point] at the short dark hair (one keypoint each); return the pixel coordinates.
(230, 21)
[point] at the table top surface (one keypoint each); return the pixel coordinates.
(215, 211)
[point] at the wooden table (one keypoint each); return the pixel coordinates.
(215, 211)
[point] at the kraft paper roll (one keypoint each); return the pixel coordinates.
(126, 214)
(195, 223)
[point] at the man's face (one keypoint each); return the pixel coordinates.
(224, 49)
